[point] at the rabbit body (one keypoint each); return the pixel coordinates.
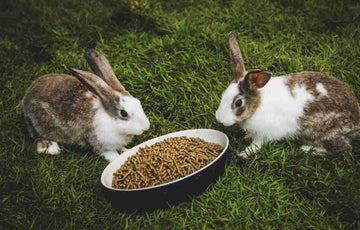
(318, 109)
(313, 107)
(60, 108)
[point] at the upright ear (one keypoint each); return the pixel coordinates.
(107, 95)
(257, 79)
(239, 70)
(101, 67)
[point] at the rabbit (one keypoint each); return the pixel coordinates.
(84, 110)
(317, 109)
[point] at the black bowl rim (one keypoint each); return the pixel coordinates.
(177, 180)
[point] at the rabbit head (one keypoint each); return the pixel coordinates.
(119, 105)
(242, 97)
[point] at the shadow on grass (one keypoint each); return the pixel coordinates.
(323, 16)
(39, 29)
(125, 19)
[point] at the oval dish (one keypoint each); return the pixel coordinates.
(172, 192)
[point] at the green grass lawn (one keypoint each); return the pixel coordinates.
(175, 59)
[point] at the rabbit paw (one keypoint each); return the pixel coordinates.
(110, 155)
(307, 148)
(317, 151)
(248, 151)
(244, 154)
(48, 147)
(123, 149)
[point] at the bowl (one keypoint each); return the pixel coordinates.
(163, 195)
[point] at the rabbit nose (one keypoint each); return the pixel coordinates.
(146, 125)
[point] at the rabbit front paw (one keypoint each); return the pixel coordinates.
(110, 155)
(317, 151)
(48, 147)
(123, 149)
(248, 151)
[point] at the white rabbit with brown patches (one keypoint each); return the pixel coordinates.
(313, 107)
(88, 109)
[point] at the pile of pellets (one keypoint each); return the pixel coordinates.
(165, 161)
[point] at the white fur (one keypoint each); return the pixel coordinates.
(307, 148)
(224, 114)
(317, 151)
(279, 112)
(138, 121)
(252, 148)
(320, 87)
(277, 116)
(88, 94)
(112, 133)
(52, 149)
(110, 155)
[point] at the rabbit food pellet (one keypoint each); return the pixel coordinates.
(165, 161)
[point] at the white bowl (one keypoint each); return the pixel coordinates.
(208, 135)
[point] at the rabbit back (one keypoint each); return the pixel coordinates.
(58, 107)
(334, 110)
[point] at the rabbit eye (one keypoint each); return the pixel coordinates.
(238, 103)
(123, 113)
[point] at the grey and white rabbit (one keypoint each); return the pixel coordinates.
(313, 107)
(86, 110)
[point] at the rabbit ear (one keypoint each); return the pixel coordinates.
(257, 79)
(107, 95)
(239, 70)
(101, 66)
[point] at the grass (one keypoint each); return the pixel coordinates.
(175, 59)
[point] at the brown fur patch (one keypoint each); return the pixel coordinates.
(329, 117)
(252, 100)
(59, 109)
